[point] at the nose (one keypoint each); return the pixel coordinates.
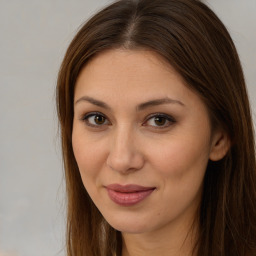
(124, 155)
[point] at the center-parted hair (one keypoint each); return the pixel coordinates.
(191, 38)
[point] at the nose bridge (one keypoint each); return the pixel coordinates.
(124, 152)
(124, 137)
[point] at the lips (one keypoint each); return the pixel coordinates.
(128, 195)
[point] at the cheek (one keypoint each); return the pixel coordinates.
(182, 157)
(89, 156)
(90, 159)
(180, 168)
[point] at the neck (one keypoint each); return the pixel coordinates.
(177, 241)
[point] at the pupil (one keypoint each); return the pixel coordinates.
(99, 119)
(160, 120)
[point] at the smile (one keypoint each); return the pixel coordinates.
(128, 195)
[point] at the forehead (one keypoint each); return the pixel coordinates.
(138, 72)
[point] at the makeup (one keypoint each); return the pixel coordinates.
(128, 195)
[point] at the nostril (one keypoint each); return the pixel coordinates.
(125, 163)
(123, 155)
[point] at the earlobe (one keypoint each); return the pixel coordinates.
(220, 146)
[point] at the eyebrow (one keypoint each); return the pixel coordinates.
(93, 101)
(157, 102)
(142, 106)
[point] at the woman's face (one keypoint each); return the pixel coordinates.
(142, 140)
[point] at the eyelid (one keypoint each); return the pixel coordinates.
(169, 118)
(86, 116)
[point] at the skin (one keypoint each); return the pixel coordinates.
(127, 145)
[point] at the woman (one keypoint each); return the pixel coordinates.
(157, 134)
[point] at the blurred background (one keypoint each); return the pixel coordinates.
(33, 38)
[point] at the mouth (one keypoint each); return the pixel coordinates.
(128, 195)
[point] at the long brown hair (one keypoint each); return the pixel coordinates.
(196, 43)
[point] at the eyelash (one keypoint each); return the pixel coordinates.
(86, 117)
(167, 119)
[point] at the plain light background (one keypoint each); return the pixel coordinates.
(33, 38)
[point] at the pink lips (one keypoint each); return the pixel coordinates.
(128, 195)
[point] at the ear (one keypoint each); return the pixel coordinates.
(220, 146)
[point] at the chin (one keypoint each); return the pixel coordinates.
(130, 229)
(125, 226)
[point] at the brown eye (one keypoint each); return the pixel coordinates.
(160, 121)
(99, 119)
(95, 119)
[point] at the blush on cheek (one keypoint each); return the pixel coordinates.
(180, 159)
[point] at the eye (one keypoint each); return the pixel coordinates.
(160, 121)
(95, 119)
